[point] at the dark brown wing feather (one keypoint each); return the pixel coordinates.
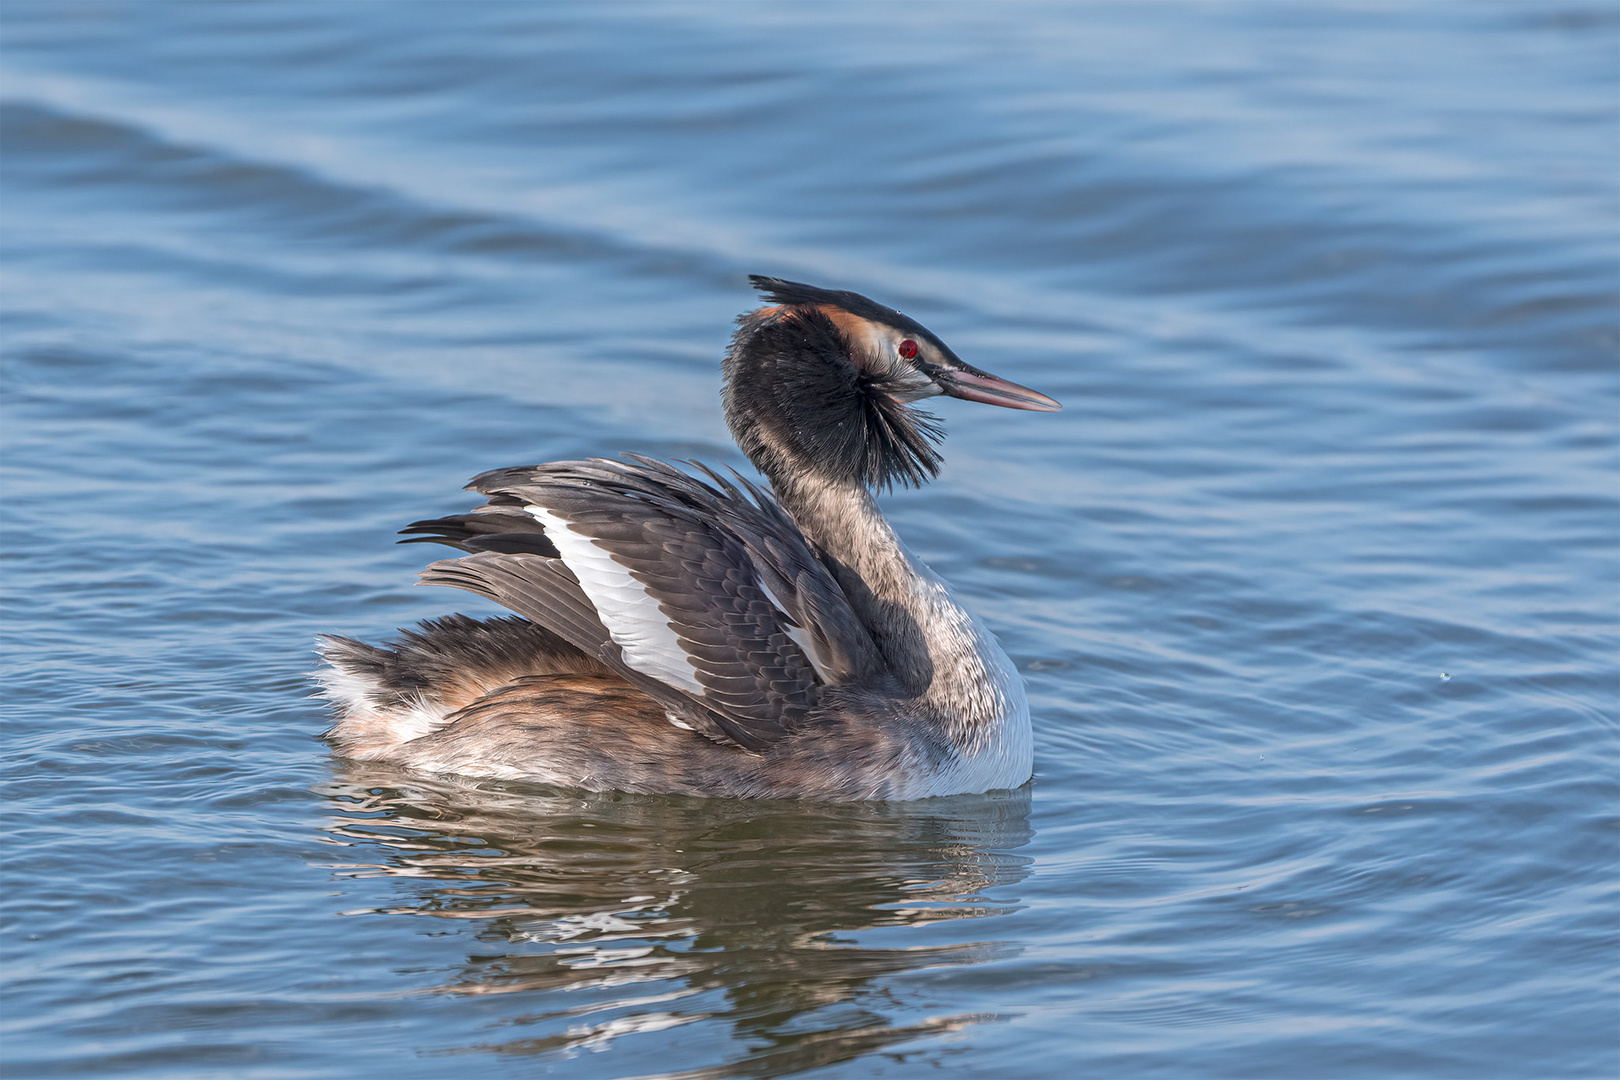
(501, 526)
(730, 572)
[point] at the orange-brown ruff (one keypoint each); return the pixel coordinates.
(688, 632)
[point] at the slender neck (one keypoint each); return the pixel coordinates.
(938, 651)
(877, 573)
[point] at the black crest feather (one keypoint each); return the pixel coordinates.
(798, 294)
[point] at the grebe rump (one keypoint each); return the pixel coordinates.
(688, 632)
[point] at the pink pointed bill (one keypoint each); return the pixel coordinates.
(971, 386)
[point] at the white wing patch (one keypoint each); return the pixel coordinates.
(799, 634)
(631, 616)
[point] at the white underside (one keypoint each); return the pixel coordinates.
(1002, 755)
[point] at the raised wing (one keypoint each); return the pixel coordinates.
(707, 594)
(503, 525)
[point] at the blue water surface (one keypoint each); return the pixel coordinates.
(1314, 580)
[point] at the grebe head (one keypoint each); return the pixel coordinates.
(821, 384)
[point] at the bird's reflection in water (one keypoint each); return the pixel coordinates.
(765, 918)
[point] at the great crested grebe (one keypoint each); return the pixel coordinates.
(699, 636)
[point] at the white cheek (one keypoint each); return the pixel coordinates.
(880, 346)
(926, 388)
(876, 343)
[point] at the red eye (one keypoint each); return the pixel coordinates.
(907, 348)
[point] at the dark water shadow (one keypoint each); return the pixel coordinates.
(751, 918)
